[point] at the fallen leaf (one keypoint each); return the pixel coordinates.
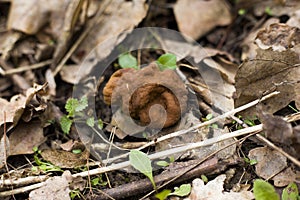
(41, 12)
(248, 45)
(26, 136)
(54, 188)
(270, 70)
(214, 190)
(269, 162)
(15, 107)
(122, 21)
(205, 16)
(65, 159)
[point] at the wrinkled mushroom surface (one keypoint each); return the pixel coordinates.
(148, 95)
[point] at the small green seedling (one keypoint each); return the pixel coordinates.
(183, 190)
(166, 61)
(250, 161)
(75, 109)
(98, 181)
(141, 162)
(204, 178)
(290, 192)
(43, 166)
(127, 60)
(264, 191)
(164, 163)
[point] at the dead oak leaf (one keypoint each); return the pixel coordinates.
(270, 70)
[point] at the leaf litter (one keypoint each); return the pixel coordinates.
(271, 64)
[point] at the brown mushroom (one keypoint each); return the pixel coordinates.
(149, 95)
(112, 83)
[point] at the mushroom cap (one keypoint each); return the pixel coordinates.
(150, 95)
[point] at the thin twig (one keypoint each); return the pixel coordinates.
(25, 68)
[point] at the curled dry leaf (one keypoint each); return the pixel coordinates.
(205, 15)
(150, 95)
(279, 37)
(214, 190)
(14, 108)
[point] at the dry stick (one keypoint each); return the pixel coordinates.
(23, 181)
(22, 189)
(26, 68)
(213, 120)
(97, 20)
(183, 148)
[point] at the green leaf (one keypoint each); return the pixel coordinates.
(90, 121)
(204, 178)
(290, 192)
(142, 163)
(209, 116)
(264, 190)
(182, 191)
(70, 106)
(76, 151)
(74, 105)
(65, 124)
(163, 194)
(100, 124)
(162, 163)
(166, 61)
(127, 61)
(82, 104)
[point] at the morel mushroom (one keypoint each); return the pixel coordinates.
(148, 95)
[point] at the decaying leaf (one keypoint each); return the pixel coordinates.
(122, 21)
(26, 136)
(205, 15)
(214, 190)
(269, 162)
(276, 67)
(54, 188)
(65, 159)
(15, 107)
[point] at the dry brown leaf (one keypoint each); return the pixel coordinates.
(31, 15)
(26, 136)
(271, 70)
(197, 17)
(7, 42)
(54, 188)
(269, 162)
(65, 159)
(118, 17)
(248, 45)
(214, 190)
(15, 107)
